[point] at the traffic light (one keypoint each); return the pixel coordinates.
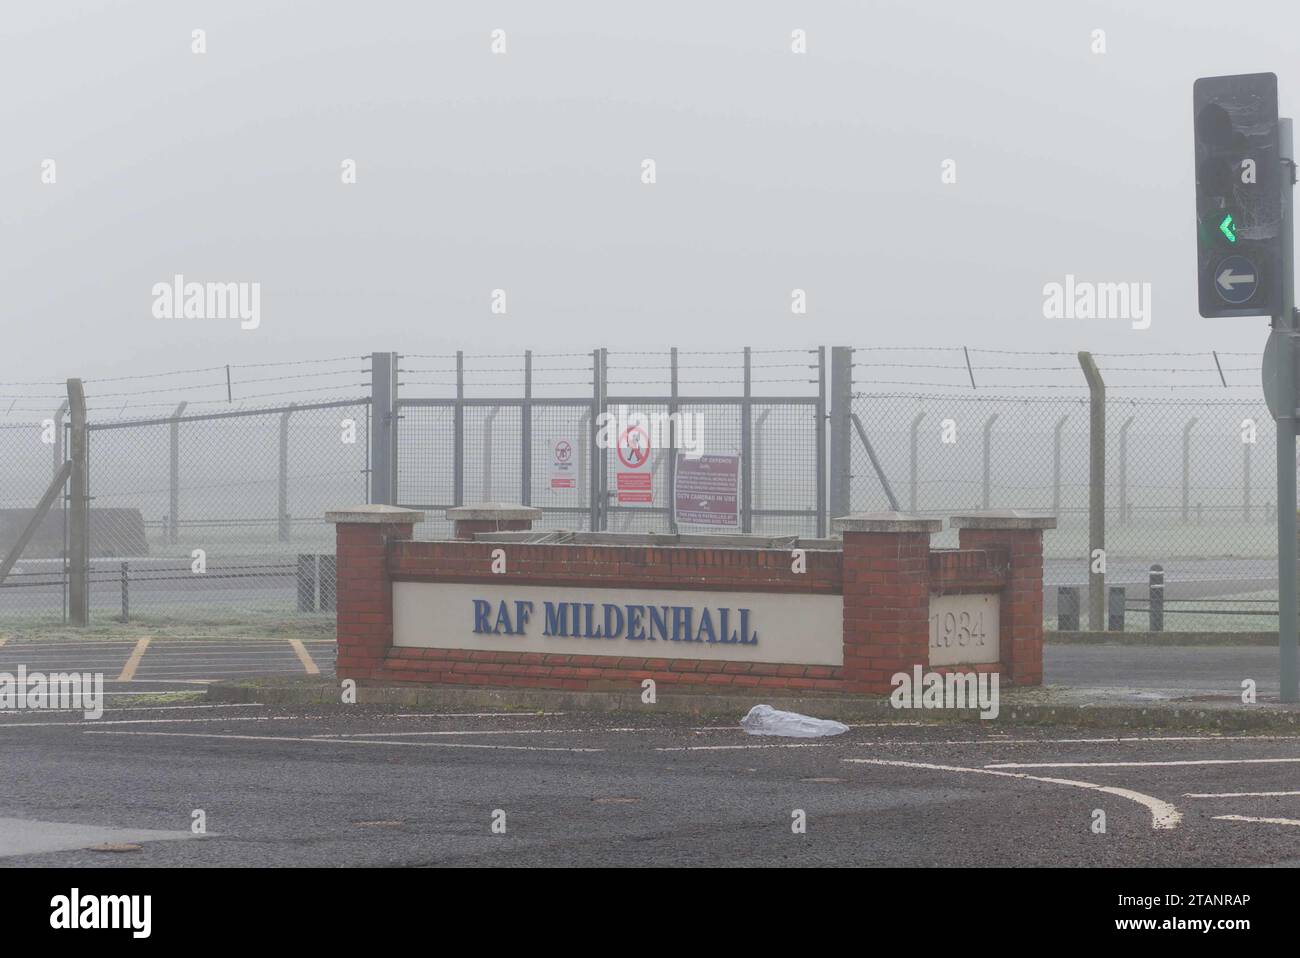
(1239, 187)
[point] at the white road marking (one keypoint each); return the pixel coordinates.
(1110, 740)
(1163, 814)
(1265, 821)
(1237, 794)
(144, 708)
(170, 721)
(472, 731)
(531, 715)
(1189, 761)
(727, 748)
(352, 741)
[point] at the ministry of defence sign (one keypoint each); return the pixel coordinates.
(659, 623)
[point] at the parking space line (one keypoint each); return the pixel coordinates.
(1107, 740)
(133, 663)
(1237, 794)
(96, 723)
(1264, 821)
(528, 715)
(1163, 814)
(1189, 761)
(352, 741)
(730, 748)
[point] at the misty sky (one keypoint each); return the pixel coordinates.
(775, 171)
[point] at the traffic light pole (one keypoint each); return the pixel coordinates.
(1284, 323)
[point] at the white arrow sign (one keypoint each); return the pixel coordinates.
(1228, 279)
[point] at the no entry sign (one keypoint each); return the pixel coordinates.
(633, 477)
(563, 475)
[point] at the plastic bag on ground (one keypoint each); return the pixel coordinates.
(765, 720)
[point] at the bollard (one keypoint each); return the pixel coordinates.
(126, 592)
(1115, 609)
(1067, 608)
(326, 583)
(306, 583)
(1156, 599)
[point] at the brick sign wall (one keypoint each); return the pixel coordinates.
(839, 619)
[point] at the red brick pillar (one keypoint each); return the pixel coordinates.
(886, 596)
(491, 517)
(1021, 614)
(364, 610)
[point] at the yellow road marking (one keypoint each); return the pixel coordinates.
(133, 663)
(304, 657)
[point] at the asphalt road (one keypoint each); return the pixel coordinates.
(365, 786)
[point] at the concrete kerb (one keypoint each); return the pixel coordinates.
(1027, 707)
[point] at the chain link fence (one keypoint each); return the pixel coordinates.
(193, 517)
(1190, 483)
(35, 590)
(211, 513)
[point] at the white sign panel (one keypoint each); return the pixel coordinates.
(964, 629)
(563, 473)
(649, 623)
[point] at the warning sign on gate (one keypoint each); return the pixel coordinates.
(563, 475)
(633, 479)
(706, 490)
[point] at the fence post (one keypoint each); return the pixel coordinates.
(125, 573)
(912, 451)
(841, 408)
(174, 476)
(1187, 464)
(458, 434)
(593, 444)
(1056, 465)
(1123, 471)
(673, 408)
(487, 452)
(1245, 476)
(986, 496)
(283, 498)
(584, 449)
(1156, 599)
(1096, 490)
(58, 436)
(78, 509)
(526, 434)
(821, 442)
(758, 457)
(383, 389)
(746, 451)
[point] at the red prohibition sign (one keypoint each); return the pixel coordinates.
(563, 451)
(635, 441)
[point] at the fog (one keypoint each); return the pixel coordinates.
(477, 171)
